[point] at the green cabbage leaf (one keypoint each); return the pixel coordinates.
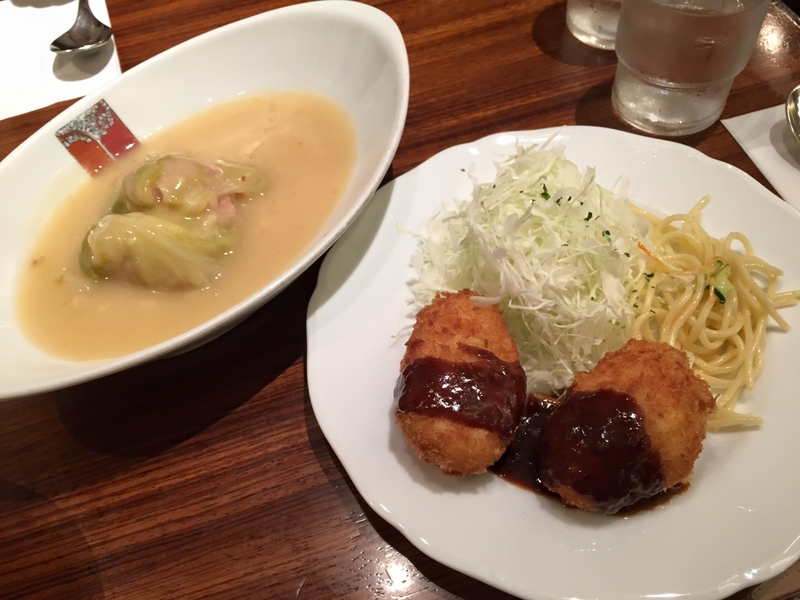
(172, 223)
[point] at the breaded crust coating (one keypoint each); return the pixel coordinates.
(675, 402)
(453, 321)
(454, 329)
(455, 448)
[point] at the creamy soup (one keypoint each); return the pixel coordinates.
(304, 144)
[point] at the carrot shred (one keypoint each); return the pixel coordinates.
(674, 271)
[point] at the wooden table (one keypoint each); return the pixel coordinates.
(207, 475)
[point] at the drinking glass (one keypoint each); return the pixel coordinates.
(677, 60)
(594, 22)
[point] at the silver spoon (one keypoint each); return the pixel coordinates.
(793, 112)
(87, 33)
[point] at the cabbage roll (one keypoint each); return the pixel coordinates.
(173, 220)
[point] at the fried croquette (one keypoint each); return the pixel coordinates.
(450, 326)
(628, 429)
(462, 389)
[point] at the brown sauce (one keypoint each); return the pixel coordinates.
(596, 445)
(488, 394)
(520, 463)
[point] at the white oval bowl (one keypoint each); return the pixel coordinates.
(349, 52)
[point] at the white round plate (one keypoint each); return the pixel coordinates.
(739, 522)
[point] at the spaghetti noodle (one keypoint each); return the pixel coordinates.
(710, 298)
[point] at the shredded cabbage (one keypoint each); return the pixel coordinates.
(555, 250)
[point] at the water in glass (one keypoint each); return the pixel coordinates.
(594, 22)
(678, 59)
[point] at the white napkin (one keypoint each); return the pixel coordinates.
(765, 137)
(31, 76)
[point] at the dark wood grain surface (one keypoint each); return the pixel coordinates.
(206, 475)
